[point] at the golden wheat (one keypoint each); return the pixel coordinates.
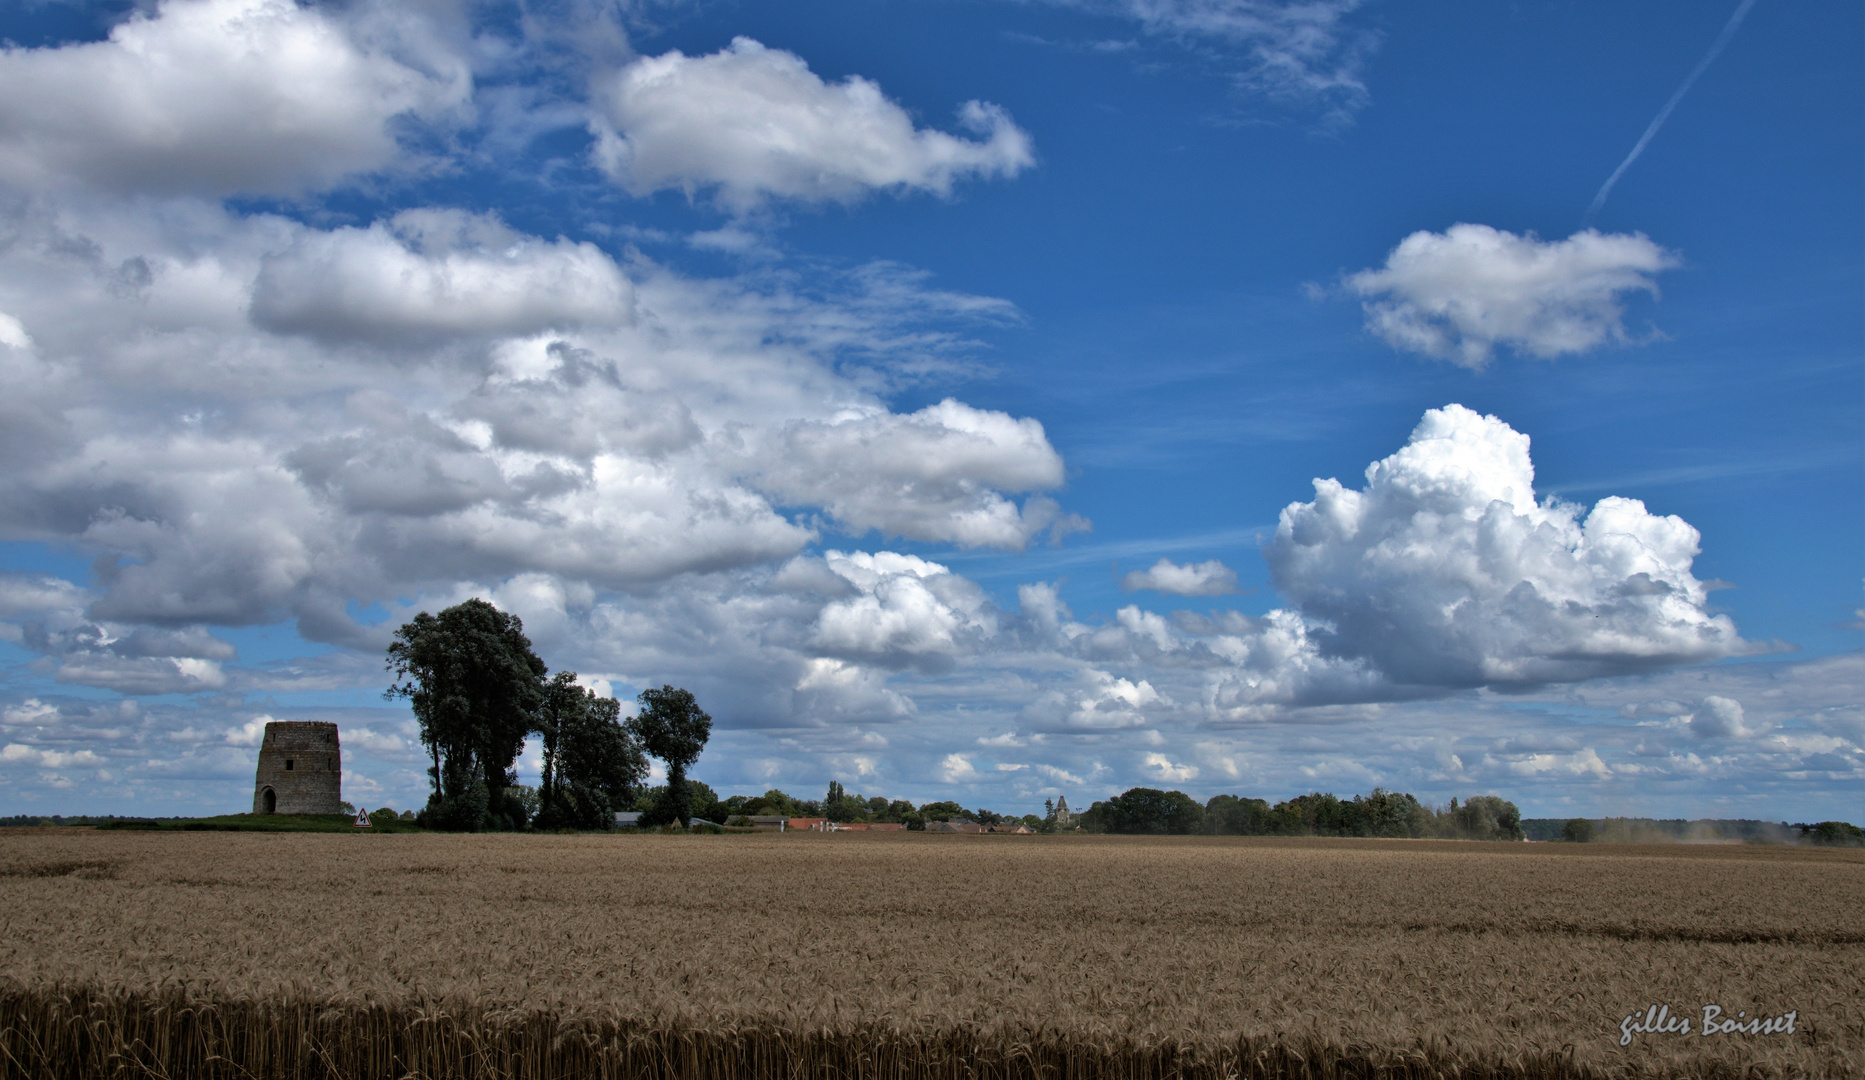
(913, 956)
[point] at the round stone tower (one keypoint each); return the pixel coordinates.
(300, 769)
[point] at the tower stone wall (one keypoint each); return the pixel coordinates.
(300, 769)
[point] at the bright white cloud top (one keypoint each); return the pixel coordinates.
(1459, 294)
(1445, 570)
(314, 316)
(215, 97)
(756, 123)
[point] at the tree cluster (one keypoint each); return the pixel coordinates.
(1380, 813)
(840, 806)
(1832, 834)
(478, 691)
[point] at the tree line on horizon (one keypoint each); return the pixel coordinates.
(1380, 813)
(839, 806)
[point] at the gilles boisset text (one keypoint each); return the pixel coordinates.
(1659, 1021)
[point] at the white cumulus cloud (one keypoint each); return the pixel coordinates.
(936, 474)
(756, 123)
(1097, 700)
(1459, 294)
(1208, 578)
(907, 608)
(214, 97)
(1720, 718)
(18, 753)
(1163, 769)
(1445, 570)
(251, 733)
(436, 273)
(957, 769)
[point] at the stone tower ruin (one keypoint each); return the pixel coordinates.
(300, 769)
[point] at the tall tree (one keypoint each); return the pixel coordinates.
(559, 708)
(840, 806)
(599, 766)
(672, 727)
(475, 685)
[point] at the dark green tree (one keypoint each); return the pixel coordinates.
(1487, 817)
(1229, 815)
(1577, 831)
(1315, 814)
(672, 727)
(593, 765)
(1148, 810)
(1833, 834)
(704, 802)
(1390, 813)
(562, 704)
(840, 806)
(945, 811)
(474, 685)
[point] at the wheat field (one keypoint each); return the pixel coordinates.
(908, 955)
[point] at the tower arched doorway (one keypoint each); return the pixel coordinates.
(268, 801)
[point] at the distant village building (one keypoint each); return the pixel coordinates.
(1063, 818)
(300, 769)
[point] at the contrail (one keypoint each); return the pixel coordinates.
(1664, 114)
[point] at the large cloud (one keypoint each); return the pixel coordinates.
(1459, 294)
(1443, 574)
(47, 615)
(431, 273)
(935, 474)
(265, 419)
(906, 609)
(1445, 570)
(214, 97)
(756, 123)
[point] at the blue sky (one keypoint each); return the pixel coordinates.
(856, 365)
